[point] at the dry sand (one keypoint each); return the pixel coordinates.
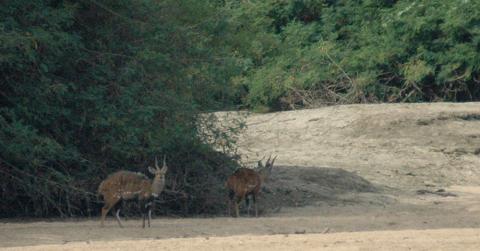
(444, 239)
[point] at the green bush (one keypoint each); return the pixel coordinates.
(330, 52)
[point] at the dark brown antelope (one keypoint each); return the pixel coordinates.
(247, 182)
(128, 186)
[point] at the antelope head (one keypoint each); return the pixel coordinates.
(159, 180)
(266, 170)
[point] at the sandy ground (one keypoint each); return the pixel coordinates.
(445, 239)
(357, 177)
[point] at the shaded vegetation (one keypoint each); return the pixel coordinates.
(90, 87)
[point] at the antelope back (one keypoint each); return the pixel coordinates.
(125, 185)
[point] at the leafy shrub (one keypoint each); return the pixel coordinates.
(360, 51)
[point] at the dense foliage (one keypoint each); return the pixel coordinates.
(314, 52)
(88, 87)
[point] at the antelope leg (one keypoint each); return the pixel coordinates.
(149, 216)
(118, 218)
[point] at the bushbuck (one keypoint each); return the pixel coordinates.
(247, 182)
(129, 186)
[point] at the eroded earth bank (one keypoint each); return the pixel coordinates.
(347, 178)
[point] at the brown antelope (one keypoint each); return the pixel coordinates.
(128, 186)
(247, 182)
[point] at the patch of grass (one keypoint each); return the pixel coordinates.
(469, 117)
(424, 122)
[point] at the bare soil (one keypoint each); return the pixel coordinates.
(386, 176)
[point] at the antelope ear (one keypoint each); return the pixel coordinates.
(164, 169)
(260, 164)
(151, 170)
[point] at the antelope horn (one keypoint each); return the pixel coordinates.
(164, 167)
(273, 160)
(268, 160)
(156, 162)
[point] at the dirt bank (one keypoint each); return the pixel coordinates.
(357, 172)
